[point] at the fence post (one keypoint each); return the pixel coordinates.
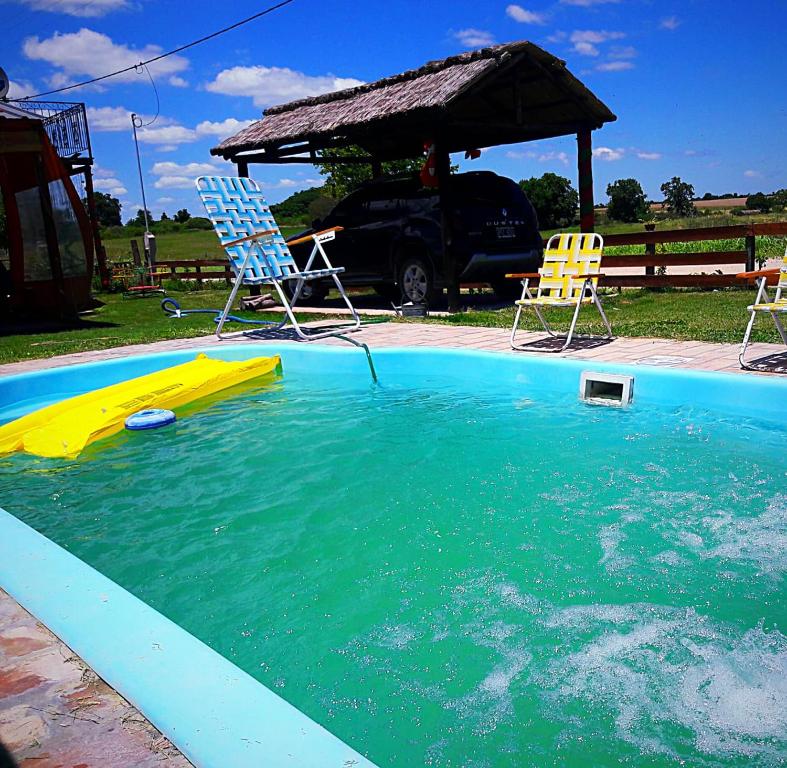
(650, 250)
(751, 252)
(198, 270)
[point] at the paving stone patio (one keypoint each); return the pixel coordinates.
(54, 711)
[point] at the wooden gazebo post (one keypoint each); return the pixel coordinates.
(587, 220)
(443, 164)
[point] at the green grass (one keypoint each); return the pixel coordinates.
(178, 246)
(702, 315)
(718, 316)
(118, 321)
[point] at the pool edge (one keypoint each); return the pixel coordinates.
(216, 714)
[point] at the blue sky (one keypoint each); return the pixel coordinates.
(696, 84)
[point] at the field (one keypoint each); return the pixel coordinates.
(203, 244)
(190, 244)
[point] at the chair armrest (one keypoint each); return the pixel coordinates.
(757, 273)
(306, 238)
(523, 275)
(255, 236)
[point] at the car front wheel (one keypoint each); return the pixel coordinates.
(416, 281)
(311, 293)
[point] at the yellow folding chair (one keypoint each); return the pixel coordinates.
(568, 278)
(763, 304)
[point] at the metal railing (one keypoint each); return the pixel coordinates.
(65, 123)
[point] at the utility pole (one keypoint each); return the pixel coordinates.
(148, 238)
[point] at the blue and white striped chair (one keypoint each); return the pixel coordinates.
(259, 254)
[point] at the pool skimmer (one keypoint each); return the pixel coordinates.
(611, 389)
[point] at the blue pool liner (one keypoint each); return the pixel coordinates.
(214, 712)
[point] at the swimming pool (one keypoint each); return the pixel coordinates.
(464, 565)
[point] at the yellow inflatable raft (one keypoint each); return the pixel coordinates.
(62, 430)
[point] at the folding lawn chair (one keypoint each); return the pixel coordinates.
(763, 304)
(568, 278)
(259, 255)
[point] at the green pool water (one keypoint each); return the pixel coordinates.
(452, 578)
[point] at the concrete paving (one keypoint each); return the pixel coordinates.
(54, 711)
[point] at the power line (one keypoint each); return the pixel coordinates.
(136, 67)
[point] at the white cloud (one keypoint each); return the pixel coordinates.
(671, 22)
(585, 40)
(523, 16)
(83, 8)
(178, 82)
(227, 127)
(608, 154)
(170, 168)
(474, 38)
(109, 119)
(542, 157)
(174, 182)
(648, 155)
(548, 157)
(752, 174)
(92, 54)
(165, 200)
(614, 66)
(588, 3)
(622, 52)
(275, 85)
(119, 119)
(292, 183)
(19, 89)
(168, 135)
(111, 185)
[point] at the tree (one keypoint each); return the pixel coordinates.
(182, 216)
(678, 197)
(164, 216)
(759, 202)
(297, 206)
(779, 199)
(139, 219)
(627, 201)
(343, 178)
(554, 199)
(107, 209)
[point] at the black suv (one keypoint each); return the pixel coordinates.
(391, 239)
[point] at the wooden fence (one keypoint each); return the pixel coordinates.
(650, 259)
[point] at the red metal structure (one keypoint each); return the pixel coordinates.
(49, 264)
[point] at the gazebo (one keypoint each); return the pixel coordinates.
(504, 94)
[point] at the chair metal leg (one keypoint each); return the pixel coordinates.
(746, 336)
(233, 293)
(603, 314)
(573, 324)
